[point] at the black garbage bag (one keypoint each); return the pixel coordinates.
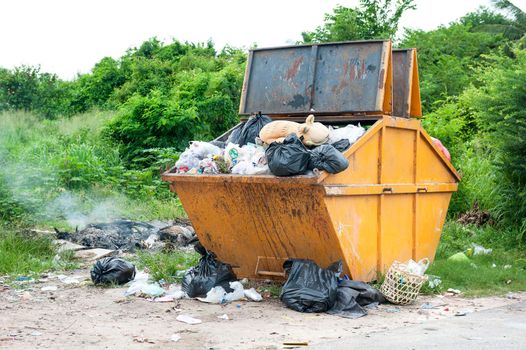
(341, 145)
(288, 158)
(252, 128)
(310, 288)
(208, 273)
(352, 297)
(328, 158)
(112, 270)
(235, 134)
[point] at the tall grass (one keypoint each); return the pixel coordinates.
(53, 170)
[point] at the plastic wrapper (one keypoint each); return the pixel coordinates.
(349, 132)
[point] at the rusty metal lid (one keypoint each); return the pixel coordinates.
(346, 78)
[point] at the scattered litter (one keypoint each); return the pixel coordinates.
(310, 288)
(208, 273)
(473, 265)
(416, 268)
(175, 337)
(493, 265)
(463, 312)
(143, 340)
(403, 281)
(433, 281)
(93, 254)
(454, 291)
(68, 279)
(223, 317)
(188, 319)
(392, 310)
(140, 280)
(459, 257)
(112, 270)
(24, 280)
(292, 345)
(152, 290)
(511, 295)
(428, 306)
(49, 288)
(252, 294)
(506, 267)
(218, 295)
(480, 250)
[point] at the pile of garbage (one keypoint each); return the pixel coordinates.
(129, 235)
(283, 148)
(211, 281)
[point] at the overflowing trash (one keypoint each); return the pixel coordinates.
(289, 157)
(261, 146)
(310, 288)
(328, 158)
(442, 148)
(112, 270)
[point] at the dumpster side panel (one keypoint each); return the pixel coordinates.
(431, 213)
(247, 223)
(363, 164)
(396, 231)
(398, 155)
(355, 220)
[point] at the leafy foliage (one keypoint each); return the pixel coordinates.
(372, 19)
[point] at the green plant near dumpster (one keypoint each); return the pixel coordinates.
(501, 271)
(24, 255)
(166, 265)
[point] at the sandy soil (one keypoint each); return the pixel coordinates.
(87, 317)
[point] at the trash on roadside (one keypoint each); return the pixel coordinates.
(188, 319)
(218, 295)
(288, 158)
(328, 158)
(140, 280)
(463, 312)
(252, 128)
(252, 294)
(209, 273)
(454, 291)
(49, 288)
(434, 281)
(349, 132)
(459, 257)
(403, 282)
(152, 290)
(175, 337)
(112, 270)
(479, 250)
(352, 297)
(310, 288)
(223, 317)
(506, 267)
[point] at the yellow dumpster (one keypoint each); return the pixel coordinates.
(389, 204)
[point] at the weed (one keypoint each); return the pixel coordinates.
(168, 266)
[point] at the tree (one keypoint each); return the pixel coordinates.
(372, 19)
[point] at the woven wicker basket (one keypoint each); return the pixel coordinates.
(401, 287)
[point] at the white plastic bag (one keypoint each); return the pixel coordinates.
(416, 268)
(350, 132)
(203, 149)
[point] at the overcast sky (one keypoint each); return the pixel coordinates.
(69, 36)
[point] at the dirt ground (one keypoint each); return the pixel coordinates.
(81, 316)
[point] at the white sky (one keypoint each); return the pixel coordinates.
(69, 36)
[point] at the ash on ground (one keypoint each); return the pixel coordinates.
(129, 235)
